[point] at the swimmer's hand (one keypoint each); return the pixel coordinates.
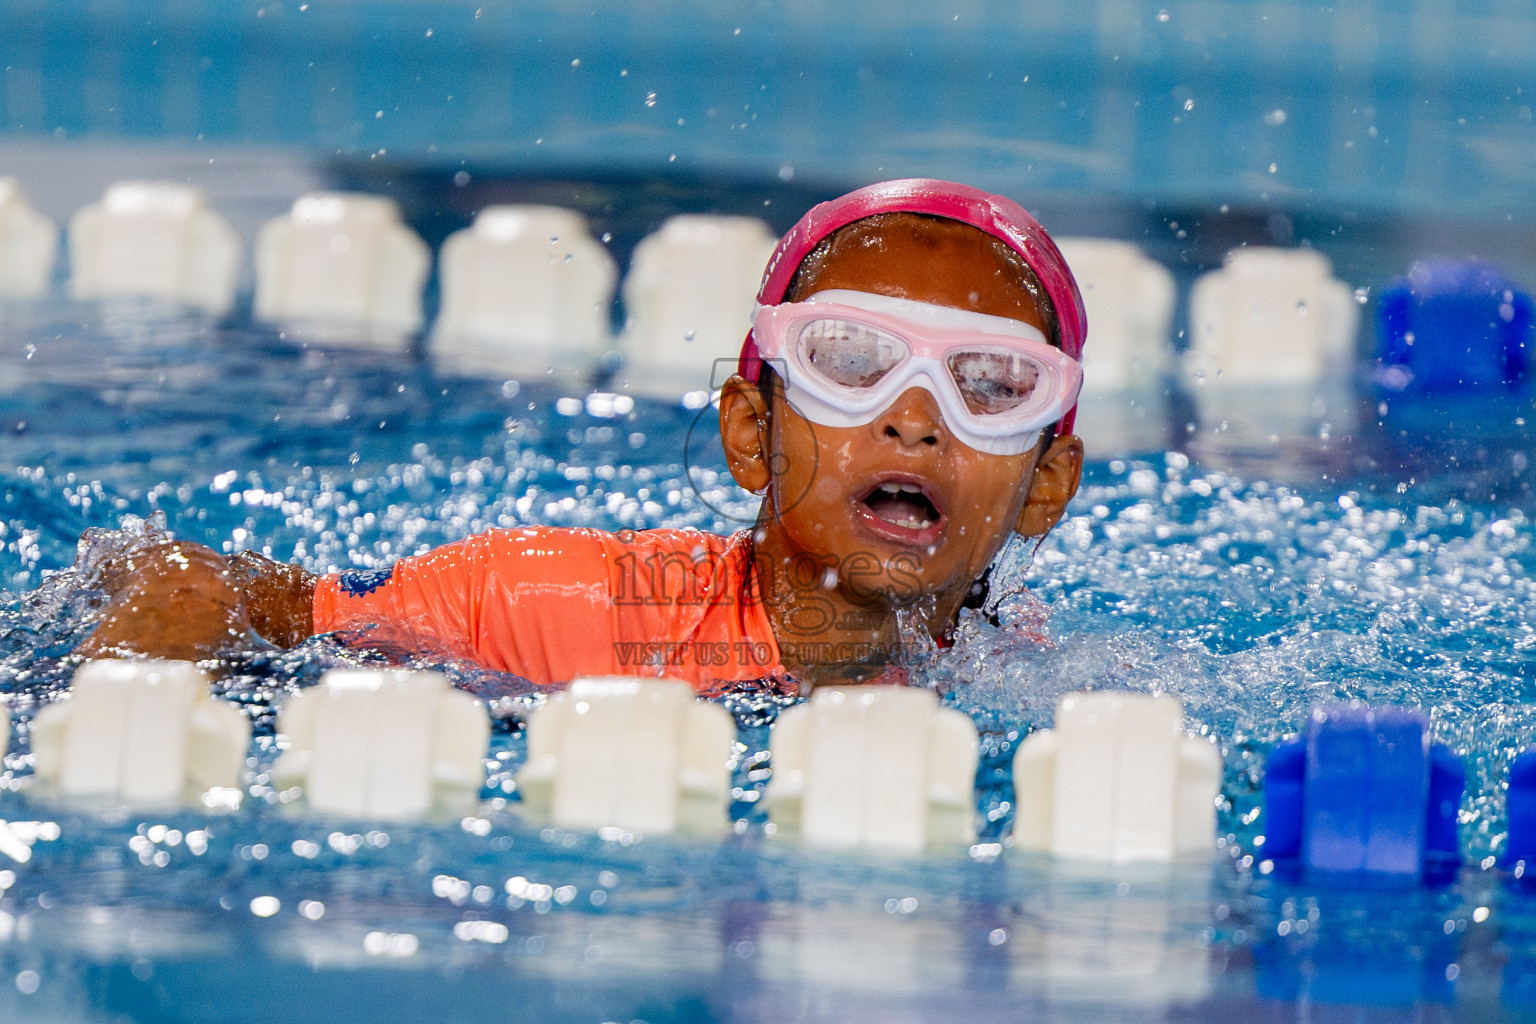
(181, 600)
(165, 599)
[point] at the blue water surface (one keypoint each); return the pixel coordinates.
(1389, 561)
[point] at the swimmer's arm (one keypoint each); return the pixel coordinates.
(279, 598)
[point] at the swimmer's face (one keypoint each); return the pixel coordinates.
(899, 507)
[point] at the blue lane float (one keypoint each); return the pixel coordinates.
(1453, 326)
(1364, 796)
(1520, 844)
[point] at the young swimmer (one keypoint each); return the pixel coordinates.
(903, 402)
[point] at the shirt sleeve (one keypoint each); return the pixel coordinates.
(525, 600)
(550, 604)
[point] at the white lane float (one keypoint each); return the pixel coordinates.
(29, 242)
(342, 268)
(1271, 316)
(525, 289)
(1129, 298)
(154, 240)
(637, 754)
(383, 743)
(142, 734)
(1116, 780)
(688, 301)
(883, 767)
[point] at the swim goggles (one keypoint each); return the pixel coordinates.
(846, 356)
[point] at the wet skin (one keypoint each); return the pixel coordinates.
(821, 509)
(170, 600)
(183, 600)
(836, 558)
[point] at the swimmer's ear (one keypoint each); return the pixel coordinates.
(744, 433)
(1057, 474)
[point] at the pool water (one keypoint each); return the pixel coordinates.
(1249, 573)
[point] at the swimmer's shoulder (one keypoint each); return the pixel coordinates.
(613, 543)
(584, 554)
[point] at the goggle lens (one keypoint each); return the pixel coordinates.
(848, 353)
(851, 354)
(993, 382)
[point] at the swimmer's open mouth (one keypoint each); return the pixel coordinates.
(902, 504)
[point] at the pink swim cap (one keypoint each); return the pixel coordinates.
(996, 215)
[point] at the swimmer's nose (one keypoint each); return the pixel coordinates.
(913, 421)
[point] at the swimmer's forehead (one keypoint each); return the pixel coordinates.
(926, 259)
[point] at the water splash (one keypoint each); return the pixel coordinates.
(40, 628)
(1251, 602)
(914, 637)
(1246, 598)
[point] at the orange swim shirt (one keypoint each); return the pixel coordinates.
(550, 604)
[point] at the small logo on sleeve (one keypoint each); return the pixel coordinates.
(361, 582)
